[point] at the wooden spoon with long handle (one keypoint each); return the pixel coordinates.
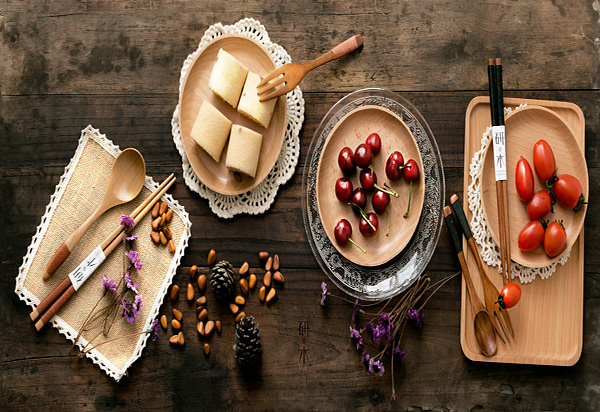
(289, 75)
(124, 183)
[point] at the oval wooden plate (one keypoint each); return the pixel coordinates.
(195, 90)
(524, 127)
(351, 131)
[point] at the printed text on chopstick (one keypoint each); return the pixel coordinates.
(499, 141)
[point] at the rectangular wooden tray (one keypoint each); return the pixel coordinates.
(548, 321)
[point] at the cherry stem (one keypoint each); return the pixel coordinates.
(354, 243)
(390, 192)
(363, 215)
(388, 225)
(409, 197)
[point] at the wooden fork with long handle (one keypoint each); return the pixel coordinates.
(289, 75)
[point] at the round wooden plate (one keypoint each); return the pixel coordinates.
(195, 90)
(524, 127)
(351, 131)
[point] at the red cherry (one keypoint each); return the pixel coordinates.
(365, 227)
(368, 179)
(346, 161)
(343, 234)
(359, 198)
(394, 166)
(411, 171)
(374, 142)
(343, 189)
(363, 156)
(380, 201)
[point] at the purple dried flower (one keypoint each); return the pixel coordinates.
(127, 221)
(131, 238)
(136, 307)
(154, 330)
(108, 284)
(127, 312)
(398, 353)
(323, 293)
(355, 310)
(370, 329)
(376, 367)
(356, 337)
(417, 317)
(135, 259)
(130, 285)
(366, 363)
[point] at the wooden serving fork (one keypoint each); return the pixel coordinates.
(289, 75)
(499, 316)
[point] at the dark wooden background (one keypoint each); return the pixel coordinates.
(116, 65)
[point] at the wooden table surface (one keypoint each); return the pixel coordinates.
(116, 65)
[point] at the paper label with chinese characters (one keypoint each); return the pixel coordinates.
(499, 140)
(87, 267)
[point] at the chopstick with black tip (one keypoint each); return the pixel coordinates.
(55, 300)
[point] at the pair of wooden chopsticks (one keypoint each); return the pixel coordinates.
(63, 292)
(499, 142)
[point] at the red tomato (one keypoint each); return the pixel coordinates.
(539, 205)
(531, 236)
(543, 161)
(555, 239)
(524, 179)
(567, 190)
(509, 295)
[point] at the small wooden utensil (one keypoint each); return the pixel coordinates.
(500, 318)
(55, 300)
(124, 183)
(289, 75)
(484, 329)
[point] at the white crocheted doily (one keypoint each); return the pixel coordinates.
(490, 252)
(63, 327)
(259, 199)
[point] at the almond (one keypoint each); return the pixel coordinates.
(163, 208)
(190, 292)
(176, 324)
(206, 349)
(200, 328)
(269, 264)
(155, 224)
(271, 295)
(163, 238)
(201, 283)
(244, 268)
(169, 215)
(233, 308)
(168, 233)
(240, 316)
(252, 281)
(180, 339)
(174, 339)
(155, 210)
(174, 293)
(244, 286)
(212, 257)
(178, 315)
(276, 262)
(277, 276)
(239, 300)
(267, 279)
(218, 326)
(210, 325)
(155, 237)
(263, 256)
(201, 300)
(172, 246)
(163, 322)
(193, 271)
(203, 314)
(261, 294)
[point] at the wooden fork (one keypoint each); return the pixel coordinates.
(289, 75)
(499, 316)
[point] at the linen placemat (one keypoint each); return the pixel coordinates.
(77, 195)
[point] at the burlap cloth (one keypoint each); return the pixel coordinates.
(77, 195)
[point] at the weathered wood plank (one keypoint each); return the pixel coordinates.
(138, 47)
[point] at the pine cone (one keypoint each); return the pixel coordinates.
(247, 342)
(221, 280)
